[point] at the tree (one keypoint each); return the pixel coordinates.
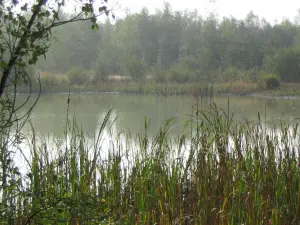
(75, 46)
(135, 68)
(25, 35)
(285, 63)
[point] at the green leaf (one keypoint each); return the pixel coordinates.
(24, 7)
(55, 14)
(102, 8)
(3, 65)
(93, 19)
(95, 27)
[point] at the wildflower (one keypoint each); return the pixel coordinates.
(102, 201)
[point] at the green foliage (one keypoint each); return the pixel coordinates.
(180, 74)
(231, 170)
(212, 49)
(135, 68)
(230, 74)
(51, 82)
(26, 34)
(272, 82)
(79, 76)
(190, 63)
(159, 75)
(57, 189)
(252, 75)
(287, 64)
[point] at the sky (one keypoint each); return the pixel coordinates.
(271, 10)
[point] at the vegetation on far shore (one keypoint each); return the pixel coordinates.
(175, 47)
(173, 52)
(268, 86)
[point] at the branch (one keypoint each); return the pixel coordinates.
(75, 19)
(14, 57)
(29, 218)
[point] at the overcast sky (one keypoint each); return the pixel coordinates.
(271, 10)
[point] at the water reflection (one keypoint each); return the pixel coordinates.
(88, 110)
(49, 115)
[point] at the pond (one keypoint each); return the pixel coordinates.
(50, 113)
(130, 112)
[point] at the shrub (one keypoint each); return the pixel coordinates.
(272, 82)
(230, 74)
(54, 82)
(180, 75)
(79, 76)
(190, 63)
(285, 63)
(160, 76)
(135, 68)
(251, 75)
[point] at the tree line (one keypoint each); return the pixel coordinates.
(178, 46)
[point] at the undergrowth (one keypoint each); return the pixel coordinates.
(216, 172)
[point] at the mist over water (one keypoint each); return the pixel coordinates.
(130, 111)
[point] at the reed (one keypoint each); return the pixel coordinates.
(218, 172)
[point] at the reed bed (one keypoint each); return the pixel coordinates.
(216, 172)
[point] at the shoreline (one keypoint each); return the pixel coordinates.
(223, 94)
(242, 89)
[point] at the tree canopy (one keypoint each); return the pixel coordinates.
(26, 34)
(195, 46)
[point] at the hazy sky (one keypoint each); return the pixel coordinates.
(269, 9)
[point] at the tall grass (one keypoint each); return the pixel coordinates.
(218, 172)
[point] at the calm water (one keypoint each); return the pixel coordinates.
(49, 115)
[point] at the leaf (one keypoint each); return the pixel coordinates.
(24, 7)
(102, 8)
(15, 2)
(93, 19)
(55, 14)
(3, 65)
(87, 8)
(95, 27)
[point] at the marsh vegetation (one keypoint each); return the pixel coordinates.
(216, 171)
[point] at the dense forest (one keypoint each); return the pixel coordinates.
(175, 46)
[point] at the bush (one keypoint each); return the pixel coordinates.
(79, 76)
(251, 75)
(272, 82)
(135, 68)
(160, 76)
(54, 82)
(230, 74)
(180, 75)
(190, 63)
(285, 63)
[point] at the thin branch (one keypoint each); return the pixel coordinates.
(14, 57)
(29, 218)
(75, 19)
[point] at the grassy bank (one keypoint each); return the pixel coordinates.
(53, 83)
(150, 87)
(215, 172)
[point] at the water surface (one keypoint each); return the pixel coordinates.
(50, 113)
